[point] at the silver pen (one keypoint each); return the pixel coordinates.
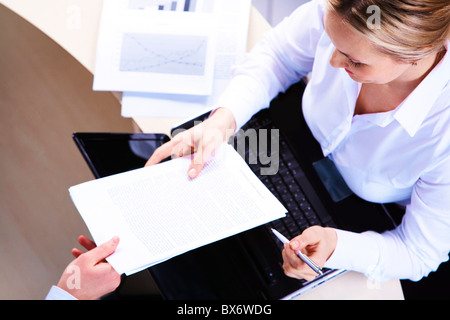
(302, 256)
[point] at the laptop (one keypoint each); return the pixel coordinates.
(249, 265)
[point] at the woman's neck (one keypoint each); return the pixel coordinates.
(411, 78)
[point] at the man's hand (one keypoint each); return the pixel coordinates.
(89, 276)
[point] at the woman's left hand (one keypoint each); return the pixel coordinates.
(317, 243)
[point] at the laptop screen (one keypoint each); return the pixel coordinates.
(112, 153)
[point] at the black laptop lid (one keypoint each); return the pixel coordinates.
(111, 153)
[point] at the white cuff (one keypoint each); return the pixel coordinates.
(57, 293)
(243, 98)
(356, 252)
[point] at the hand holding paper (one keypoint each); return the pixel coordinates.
(158, 212)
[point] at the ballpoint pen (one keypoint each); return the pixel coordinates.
(302, 256)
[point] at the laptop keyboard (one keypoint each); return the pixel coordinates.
(285, 185)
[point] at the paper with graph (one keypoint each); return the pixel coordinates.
(232, 28)
(158, 46)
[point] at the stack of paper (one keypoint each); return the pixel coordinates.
(171, 58)
(159, 213)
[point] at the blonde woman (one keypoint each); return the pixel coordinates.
(378, 103)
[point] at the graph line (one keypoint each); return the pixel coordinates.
(157, 53)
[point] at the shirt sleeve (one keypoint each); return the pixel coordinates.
(412, 250)
(57, 293)
(281, 58)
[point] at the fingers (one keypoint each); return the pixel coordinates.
(198, 162)
(86, 243)
(161, 153)
(202, 141)
(181, 150)
(203, 138)
(103, 251)
(311, 242)
(182, 144)
(211, 139)
(76, 252)
(308, 241)
(294, 267)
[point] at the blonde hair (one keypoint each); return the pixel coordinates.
(408, 30)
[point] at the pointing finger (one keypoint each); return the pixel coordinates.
(161, 153)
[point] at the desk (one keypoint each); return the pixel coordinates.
(73, 24)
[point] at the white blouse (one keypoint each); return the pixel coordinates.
(400, 155)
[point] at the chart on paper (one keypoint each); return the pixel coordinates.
(167, 54)
(155, 46)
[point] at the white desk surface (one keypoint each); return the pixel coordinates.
(73, 24)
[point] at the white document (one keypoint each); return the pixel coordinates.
(159, 213)
(144, 105)
(142, 49)
(232, 30)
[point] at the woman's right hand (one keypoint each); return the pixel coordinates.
(202, 139)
